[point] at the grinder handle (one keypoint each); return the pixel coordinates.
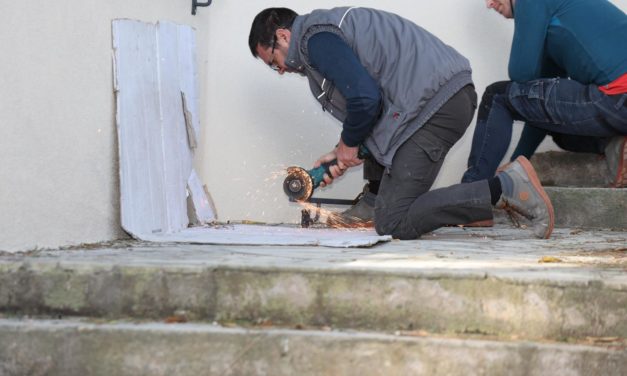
(317, 174)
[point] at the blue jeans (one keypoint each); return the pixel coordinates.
(558, 106)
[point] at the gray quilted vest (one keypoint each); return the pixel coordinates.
(416, 72)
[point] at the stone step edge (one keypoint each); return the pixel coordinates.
(62, 346)
(360, 300)
(179, 322)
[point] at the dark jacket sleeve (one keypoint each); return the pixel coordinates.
(337, 62)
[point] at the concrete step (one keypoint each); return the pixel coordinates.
(488, 281)
(586, 208)
(589, 207)
(565, 169)
(577, 184)
(71, 347)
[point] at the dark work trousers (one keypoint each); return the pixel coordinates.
(405, 208)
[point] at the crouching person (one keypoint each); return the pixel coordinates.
(406, 96)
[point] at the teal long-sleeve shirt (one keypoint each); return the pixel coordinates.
(585, 40)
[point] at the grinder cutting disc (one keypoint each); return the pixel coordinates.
(298, 184)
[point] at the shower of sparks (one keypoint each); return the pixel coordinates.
(313, 209)
(274, 175)
(340, 223)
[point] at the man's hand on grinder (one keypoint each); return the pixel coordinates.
(335, 170)
(346, 157)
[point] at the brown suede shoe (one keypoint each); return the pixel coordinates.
(523, 194)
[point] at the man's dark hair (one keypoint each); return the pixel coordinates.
(266, 24)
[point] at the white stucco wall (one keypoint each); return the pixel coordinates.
(58, 151)
(259, 123)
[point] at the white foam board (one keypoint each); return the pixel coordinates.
(155, 76)
(241, 234)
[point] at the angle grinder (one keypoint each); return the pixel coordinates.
(299, 183)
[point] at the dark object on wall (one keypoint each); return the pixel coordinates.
(196, 4)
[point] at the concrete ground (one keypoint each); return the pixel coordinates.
(458, 301)
(501, 251)
(495, 281)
